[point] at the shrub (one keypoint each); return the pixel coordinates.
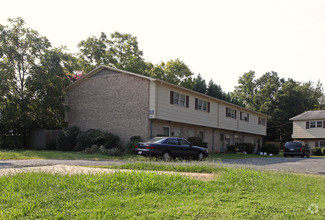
(247, 147)
(111, 152)
(94, 149)
(67, 138)
(270, 149)
(232, 148)
(96, 137)
(197, 141)
(317, 151)
(132, 142)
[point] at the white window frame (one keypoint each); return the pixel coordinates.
(179, 99)
(176, 98)
(322, 143)
(231, 113)
(182, 99)
(202, 105)
(312, 124)
(319, 124)
(261, 121)
(244, 116)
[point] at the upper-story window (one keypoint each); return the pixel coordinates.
(244, 116)
(315, 124)
(179, 99)
(261, 121)
(231, 113)
(202, 105)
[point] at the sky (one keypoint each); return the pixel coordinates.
(220, 39)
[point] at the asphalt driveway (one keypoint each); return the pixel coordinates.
(312, 165)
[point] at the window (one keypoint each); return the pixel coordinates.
(312, 124)
(176, 98)
(172, 141)
(166, 131)
(261, 121)
(322, 143)
(319, 124)
(179, 99)
(183, 142)
(201, 134)
(182, 100)
(230, 113)
(202, 105)
(244, 116)
(315, 124)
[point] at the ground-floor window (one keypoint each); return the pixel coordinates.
(166, 131)
(322, 143)
(201, 134)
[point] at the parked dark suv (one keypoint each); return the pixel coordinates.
(295, 148)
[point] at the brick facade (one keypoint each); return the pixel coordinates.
(111, 101)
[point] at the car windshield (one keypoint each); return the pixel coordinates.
(157, 140)
(293, 145)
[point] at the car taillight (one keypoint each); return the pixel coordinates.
(149, 147)
(301, 149)
(284, 149)
(136, 146)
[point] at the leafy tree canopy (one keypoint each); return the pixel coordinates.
(32, 76)
(279, 98)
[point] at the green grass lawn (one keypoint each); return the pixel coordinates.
(234, 194)
(48, 154)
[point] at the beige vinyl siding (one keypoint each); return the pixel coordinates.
(252, 126)
(300, 131)
(152, 100)
(216, 118)
(172, 112)
(227, 122)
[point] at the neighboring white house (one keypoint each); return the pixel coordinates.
(309, 128)
(129, 104)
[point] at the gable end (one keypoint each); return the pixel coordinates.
(104, 72)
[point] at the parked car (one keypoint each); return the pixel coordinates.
(168, 147)
(295, 148)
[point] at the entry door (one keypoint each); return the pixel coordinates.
(222, 143)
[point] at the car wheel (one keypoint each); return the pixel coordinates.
(285, 155)
(200, 156)
(166, 156)
(291, 155)
(302, 156)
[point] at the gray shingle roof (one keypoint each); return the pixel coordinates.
(310, 115)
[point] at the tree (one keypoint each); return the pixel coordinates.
(279, 98)
(245, 91)
(199, 84)
(46, 83)
(31, 79)
(120, 51)
(174, 71)
(20, 50)
(215, 90)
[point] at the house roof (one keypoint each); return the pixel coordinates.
(309, 115)
(100, 68)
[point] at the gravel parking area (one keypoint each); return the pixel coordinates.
(312, 165)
